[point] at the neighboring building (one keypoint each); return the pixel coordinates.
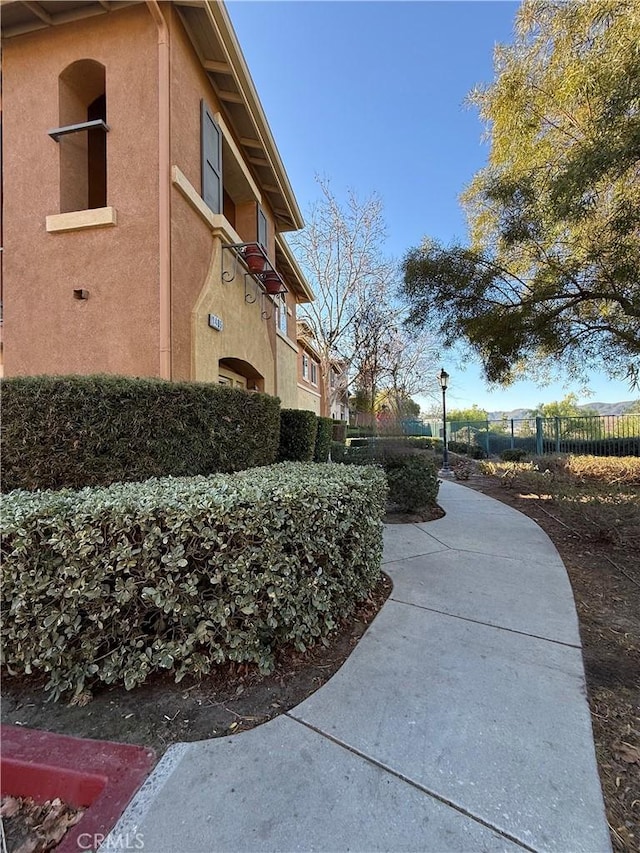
(327, 398)
(138, 164)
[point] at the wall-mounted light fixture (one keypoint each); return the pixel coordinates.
(79, 293)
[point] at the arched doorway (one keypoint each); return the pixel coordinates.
(238, 373)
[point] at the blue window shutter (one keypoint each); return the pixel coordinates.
(211, 150)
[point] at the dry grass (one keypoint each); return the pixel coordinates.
(598, 494)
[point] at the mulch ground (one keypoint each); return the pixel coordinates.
(606, 587)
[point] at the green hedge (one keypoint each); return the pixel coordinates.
(412, 475)
(323, 440)
(112, 584)
(74, 431)
(426, 442)
(298, 430)
(339, 431)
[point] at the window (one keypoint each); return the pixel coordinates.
(211, 152)
(82, 136)
(262, 228)
(305, 366)
(224, 380)
(282, 314)
(314, 373)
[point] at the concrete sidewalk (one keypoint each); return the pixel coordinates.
(459, 723)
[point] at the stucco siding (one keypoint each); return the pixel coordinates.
(115, 330)
(287, 387)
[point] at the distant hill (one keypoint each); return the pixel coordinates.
(610, 408)
(601, 408)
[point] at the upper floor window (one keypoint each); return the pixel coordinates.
(211, 152)
(282, 315)
(262, 228)
(305, 366)
(82, 136)
(314, 373)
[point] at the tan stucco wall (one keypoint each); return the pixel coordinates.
(116, 329)
(197, 256)
(308, 400)
(245, 333)
(287, 373)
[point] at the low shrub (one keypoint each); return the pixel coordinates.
(360, 442)
(426, 443)
(513, 455)
(359, 432)
(338, 451)
(323, 440)
(112, 584)
(458, 447)
(339, 431)
(474, 451)
(413, 481)
(75, 431)
(412, 475)
(298, 430)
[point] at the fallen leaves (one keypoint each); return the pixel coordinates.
(31, 827)
(627, 752)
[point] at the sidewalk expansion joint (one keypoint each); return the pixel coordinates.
(486, 624)
(413, 557)
(422, 788)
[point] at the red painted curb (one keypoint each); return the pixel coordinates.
(97, 774)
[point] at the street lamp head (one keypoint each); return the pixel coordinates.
(444, 379)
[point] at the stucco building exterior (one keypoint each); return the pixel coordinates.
(138, 166)
(322, 385)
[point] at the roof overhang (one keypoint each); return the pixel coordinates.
(211, 33)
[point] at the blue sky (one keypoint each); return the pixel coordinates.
(371, 95)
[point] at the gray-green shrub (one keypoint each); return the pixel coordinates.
(74, 431)
(112, 584)
(298, 430)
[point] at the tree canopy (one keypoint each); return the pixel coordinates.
(566, 408)
(472, 415)
(551, 270)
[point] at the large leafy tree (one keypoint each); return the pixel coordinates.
(552, 269)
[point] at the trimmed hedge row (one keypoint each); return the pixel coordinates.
(298, 431)
(412, 475)
(112, 584)
(75, 431)
(323, 439)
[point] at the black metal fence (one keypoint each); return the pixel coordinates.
(601, 435)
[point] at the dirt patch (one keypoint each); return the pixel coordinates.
(431, 513)
(161, 712)
(605, 577)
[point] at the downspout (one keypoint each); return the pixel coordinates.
(164, 199)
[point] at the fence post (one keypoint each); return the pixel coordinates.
(513, 441)
(556, 427)
(539, 443)
(488, 449)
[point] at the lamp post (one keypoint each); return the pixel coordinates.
(444, 379)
